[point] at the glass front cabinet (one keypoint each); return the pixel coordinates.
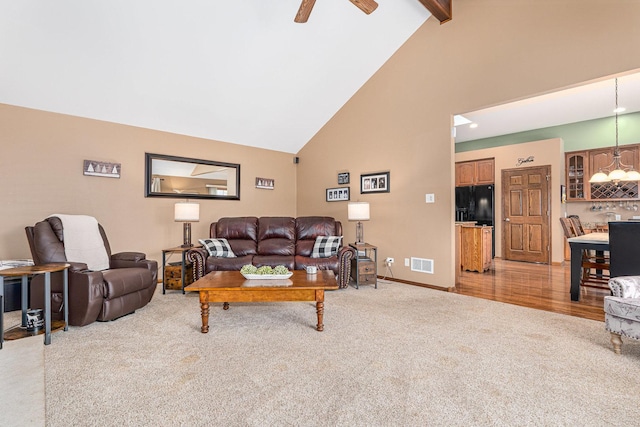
(576, 164)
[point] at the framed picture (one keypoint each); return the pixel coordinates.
(265, 183)
(339, 194)
(105, 169)
(375, 183)
(343, 178)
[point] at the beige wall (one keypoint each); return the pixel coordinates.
(41, 174)
(493, 51)
(548, 152)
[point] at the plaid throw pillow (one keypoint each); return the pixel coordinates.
(326, 246)
(218, 247)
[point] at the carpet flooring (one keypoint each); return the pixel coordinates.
(396, 355)
(22, 400)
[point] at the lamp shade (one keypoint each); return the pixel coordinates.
(617, 175)
(187, 212)
(633, 175)
(599, 177)
(358, 211)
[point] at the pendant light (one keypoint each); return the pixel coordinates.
(618, 171)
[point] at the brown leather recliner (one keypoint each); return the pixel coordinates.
(126, 286)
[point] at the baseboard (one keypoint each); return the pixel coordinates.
(422, 285)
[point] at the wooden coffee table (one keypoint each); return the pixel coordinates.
(231, 286)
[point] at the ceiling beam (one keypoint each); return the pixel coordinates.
(304, 11)
(367, 6)
(441, 9)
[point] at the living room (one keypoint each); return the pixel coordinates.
(399, 121)
(406, 132)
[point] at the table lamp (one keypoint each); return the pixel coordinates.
(187, 213)
(359, 211)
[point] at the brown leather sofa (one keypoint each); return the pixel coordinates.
(105, 295)
(274, 241)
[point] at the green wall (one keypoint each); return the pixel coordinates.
(576, 136)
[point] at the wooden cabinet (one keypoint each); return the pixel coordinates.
(485, 173)
(577, 175)
(465, 173)
(580, 165)
(601, 158)
(475, 251)
(476, 172)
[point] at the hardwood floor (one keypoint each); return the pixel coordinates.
(537, 286)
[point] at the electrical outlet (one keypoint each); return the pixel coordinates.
(406, 262)
(430, 198)
(389, 260)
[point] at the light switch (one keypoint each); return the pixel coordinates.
(430, 198)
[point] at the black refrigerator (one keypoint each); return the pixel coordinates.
(475, 203)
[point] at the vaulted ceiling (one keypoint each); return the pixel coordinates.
(240, 71)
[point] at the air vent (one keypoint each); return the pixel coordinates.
(422, 265)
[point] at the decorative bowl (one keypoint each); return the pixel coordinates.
(267, 276)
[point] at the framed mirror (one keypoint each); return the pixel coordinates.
(182, 177)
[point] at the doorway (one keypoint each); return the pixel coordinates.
(525, 211)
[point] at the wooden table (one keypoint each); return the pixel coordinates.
(25, 272)
(593, 241)
(231, 286)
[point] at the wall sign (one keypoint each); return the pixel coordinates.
(265, 183)
(522, 160)
(105, 169)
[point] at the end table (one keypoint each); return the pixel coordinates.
(364, 265)
(25, 272)
(183, 264)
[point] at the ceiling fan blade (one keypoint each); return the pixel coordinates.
(367, 6)
(305, 10)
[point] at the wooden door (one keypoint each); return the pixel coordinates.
(525, 207)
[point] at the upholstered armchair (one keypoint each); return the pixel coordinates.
(622, 309)
(127, 283)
